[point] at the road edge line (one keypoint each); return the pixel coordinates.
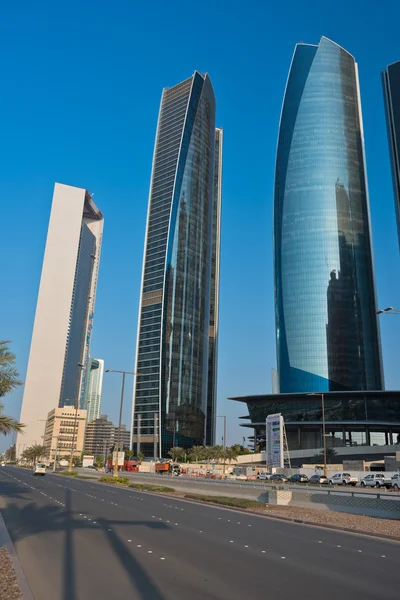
(6, 542)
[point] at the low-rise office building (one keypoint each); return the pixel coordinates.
(61, 432)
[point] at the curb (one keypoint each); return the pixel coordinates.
(6, 542)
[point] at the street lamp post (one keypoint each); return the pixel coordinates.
(390, 310)
(322, 396)
(120, 411)
(224, 418)
(224, 444)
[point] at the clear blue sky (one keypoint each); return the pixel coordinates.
(81, 85)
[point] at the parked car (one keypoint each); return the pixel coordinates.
(39, 469)
(395, 482)
(343, 479)
(318, 479)
(376, 480)
(3, 464)
(298, 478)
(263, 475)
(91, 467)
(278, 478)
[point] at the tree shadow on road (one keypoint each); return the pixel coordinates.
(34, 520)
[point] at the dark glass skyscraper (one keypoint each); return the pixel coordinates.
(326, 326)
(391, 89)
(174, 394)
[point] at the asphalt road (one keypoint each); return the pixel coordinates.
(78, 540)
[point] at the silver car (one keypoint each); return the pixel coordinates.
(377, 480)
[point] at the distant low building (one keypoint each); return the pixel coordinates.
(61, 432)
(101, 435)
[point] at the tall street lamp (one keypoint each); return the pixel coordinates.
(120, 411)
(390, 310)
(322, 396)
(224, 445)
(224, 418)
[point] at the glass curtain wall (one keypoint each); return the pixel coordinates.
(326, 326)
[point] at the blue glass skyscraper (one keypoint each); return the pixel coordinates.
(391, 89)
(326, 324)
(175, 392)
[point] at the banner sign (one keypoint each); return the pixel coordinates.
(274, 440)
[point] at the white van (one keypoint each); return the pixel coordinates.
(39, 469)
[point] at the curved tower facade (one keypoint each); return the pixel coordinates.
(175, 384)
(326, 324)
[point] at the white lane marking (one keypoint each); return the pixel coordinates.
(162, 558)
(283, 557)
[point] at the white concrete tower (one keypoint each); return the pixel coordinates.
(64, 313)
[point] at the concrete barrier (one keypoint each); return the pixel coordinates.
(381, 503)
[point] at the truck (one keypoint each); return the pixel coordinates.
(87, 461)
(246, 471)
(162, 468)
(129, 465)
(168, 468)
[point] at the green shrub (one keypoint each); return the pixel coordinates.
(115, 480)
(68, 473)
(226, 501)
(148, 487)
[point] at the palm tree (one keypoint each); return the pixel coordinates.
(34, 452)
(10, 453)
(140, 457)
(8, 424)
(8, 373)
(8, 381)
(330, 453)
(176, 453)
(230, 454)
(196, 453)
